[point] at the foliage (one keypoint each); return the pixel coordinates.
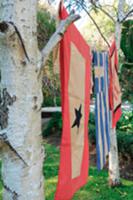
(92, 129)
(45, 27)
(51, 85)
(125, 134)
(127, 40)
(91, 33)
(96, 187)
(126, 80)
(127, 66)
(124, 131)
(54, 125)
(51, 88)
(50, 101)
(125, 144)
(125, 124)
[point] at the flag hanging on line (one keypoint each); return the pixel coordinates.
(100, 62)
(75, 87)
(114, 86)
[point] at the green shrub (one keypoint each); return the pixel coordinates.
(125, 134)
(125, 123)
(124, 131)
(92, 129)
(127, 40)
(51, 84)
(126, 75)
(49, 101)
(46, 26)
(54, 125)
(125, 143)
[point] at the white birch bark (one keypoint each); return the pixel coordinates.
(118, 25)
(22, 151)
(114, 172)
(22, 181)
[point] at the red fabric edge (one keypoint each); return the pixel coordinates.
(116, 117)
(115, 114)
(66, 191)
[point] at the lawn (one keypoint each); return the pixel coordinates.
(96, 188)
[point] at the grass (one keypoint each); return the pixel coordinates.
(96, 188)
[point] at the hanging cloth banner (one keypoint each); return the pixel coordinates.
(100, 62)
(75, 87)
(114, 86)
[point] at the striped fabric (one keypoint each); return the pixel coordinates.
(100, 62)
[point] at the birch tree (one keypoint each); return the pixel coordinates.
(21, 66)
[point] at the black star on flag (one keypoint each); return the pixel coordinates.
(78, 116)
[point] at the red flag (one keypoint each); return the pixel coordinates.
(114, 86)
(75, 89)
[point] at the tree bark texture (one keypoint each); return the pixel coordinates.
(118, 26)
(114, 174)
(23, 154)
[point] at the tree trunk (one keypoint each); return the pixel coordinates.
(118, 25)
(23, 153)
(114, 174)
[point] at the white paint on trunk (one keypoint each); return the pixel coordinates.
(22, 182)
(114, 174)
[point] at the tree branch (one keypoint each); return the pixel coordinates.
(120, 12)
(99, 30)
(55, 38)
(126, 15)
(106, 13)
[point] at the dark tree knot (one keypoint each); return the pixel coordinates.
(5, 101)
(3, 27)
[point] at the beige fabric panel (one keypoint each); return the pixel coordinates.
(99, 72)
(76, 98)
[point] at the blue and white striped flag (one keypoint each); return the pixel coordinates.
(100, 61)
